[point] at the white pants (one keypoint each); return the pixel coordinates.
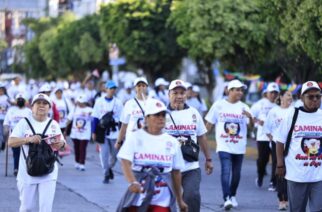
(29, 192)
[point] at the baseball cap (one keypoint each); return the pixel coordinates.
(236, 84)
(177, 84)
(140, 79)
(19, 95)
(188, 85)
(82, 99)
(196, 88)
(309, 85)
(154, 106)
(41, 96)
(110, 84)
(45, 88)
(273, 86)
(161, 81)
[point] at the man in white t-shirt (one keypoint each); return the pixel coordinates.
(303, 162)
(230, 116)
(260, 111)
(186, 124)
(103, 105)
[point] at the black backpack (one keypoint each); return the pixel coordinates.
(41, 158)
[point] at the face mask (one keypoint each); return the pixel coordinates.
(20, 103)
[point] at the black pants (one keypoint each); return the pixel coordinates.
(263, 157)
(281, 187)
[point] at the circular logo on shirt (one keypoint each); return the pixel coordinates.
(311, 146)
(194, 118)
(232, 128)
(80, 123)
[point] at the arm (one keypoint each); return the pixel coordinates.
(209, 126)
(17, 142)
(176, 182)
(135, 186)
(280, 167)
(121, 136)
(205, 149)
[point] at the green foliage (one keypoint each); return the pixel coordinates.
(140, 30)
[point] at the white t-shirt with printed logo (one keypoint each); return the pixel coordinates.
(81, 128)
(304, 160)
(14, 115)
(274, 119)
(132, 115)
(230, 125)
(4, 106)
(260, 111)
(102, 106)
(189, 124)
(162, 151)
(22, 130)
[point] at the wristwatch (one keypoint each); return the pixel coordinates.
(208, 159)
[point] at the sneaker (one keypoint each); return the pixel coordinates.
(76, 165)
(271, 187)
(111, 173)
(82, 167)
(259, 182)
(282, 206)
(106, 180)
(234, 201)
(228, 204)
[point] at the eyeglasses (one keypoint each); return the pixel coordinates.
(312, 97)
(163, 114)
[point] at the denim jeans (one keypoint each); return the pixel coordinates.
(230, 172)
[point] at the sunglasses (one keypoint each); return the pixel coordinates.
(312, 97)
(163, 114)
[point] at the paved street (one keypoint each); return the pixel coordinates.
(84, 191)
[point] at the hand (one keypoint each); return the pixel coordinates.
(35, 139)
(118, 145)
(280, 171)
(209, 167)
(183, 206)
(57, 144)
(135, 187)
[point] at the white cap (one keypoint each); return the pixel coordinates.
(310, 85)
(177, 84)
(236, 84)
(273, 86)
(161, 81)
(41, 96)
(196, 88)
(82, 99)
(154, 106)
(2, 85)
(188, 85)
(140, 79)
(19, 95)
(45, 88)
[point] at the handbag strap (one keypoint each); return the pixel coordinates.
(139, 106)
(175, 126)
(289, 135)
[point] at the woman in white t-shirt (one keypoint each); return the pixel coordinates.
(13, 116)
(42, 186)
(271, 125)
(132, 117)
(80, 133)
(4, 105)
(148, 151)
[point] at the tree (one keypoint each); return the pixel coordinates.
(141, 32)
(230, 31)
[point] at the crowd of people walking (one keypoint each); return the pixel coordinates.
(157, 134)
